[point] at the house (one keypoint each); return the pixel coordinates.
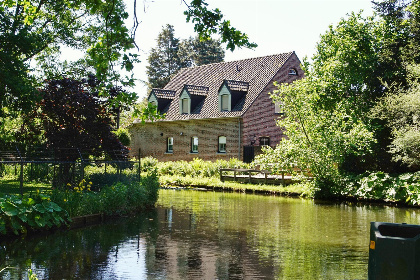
(217, 111)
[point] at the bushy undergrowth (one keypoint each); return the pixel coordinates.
(194, 168)
(118, 198)
(404, 188)
(19, 214)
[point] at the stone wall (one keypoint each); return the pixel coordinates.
(151, 139)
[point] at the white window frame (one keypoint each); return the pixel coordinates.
(222, 144)
(292, 72)
(194, 144)
(185, 106)
(170, 145)
(224, 99)
(279, 107)
(265, 138)
(224, 91)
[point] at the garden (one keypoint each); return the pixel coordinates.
(44, 207)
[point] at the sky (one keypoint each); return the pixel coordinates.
(277, 26)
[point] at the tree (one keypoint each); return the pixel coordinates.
(209, 22)
(197, 52)
(171, 54)
(164, 60)
(73, 115)
(401, 110)
(38, 29)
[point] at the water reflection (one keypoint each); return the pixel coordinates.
(208, 235)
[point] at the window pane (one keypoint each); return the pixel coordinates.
(225, 102)
(278, 107)
(170, 144)
(185, 106)
(194, 144)
(264, 141)
(222, 144)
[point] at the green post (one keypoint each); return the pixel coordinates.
(21, 177)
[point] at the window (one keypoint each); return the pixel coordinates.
(279, 108)
(194, 144)
(225, 102)
(184, 104)
(265, 141)
(292, 71)
(222, 144)
(170, 145)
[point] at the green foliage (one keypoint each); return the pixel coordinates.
(124, 136)
(171, 54)
(400, 108)
(303, 189)
(208, 22)
(403, 188)
(196, 52)
(318, 137)
(149, 113)
(118, 198)
(328, 122)
(30, 212)
(164, 60)
(194, 168)
(36, 30)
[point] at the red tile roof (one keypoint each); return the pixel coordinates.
(255, 73)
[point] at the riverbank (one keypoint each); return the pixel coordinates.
(375, 188)
(47, 209)
(302, 189)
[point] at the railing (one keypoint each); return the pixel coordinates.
(248, 175)
(75, 156)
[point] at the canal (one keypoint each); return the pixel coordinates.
(211, 235)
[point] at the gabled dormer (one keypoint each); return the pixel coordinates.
(192, 98)
(232, 95)
(161, 98)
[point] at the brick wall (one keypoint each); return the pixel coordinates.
(151, 138)
(260, 118)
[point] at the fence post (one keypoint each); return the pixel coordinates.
(21, 172)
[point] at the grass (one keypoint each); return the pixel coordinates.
(298, 189)
(12, 186)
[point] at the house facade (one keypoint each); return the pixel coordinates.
(217, 111)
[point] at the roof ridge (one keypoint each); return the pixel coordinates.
(239, 60)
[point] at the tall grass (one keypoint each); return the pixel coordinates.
(196, 168)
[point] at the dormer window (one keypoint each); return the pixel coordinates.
(292, 72)
(185, 106)
(161, 99)
(232, 95)
(192, 98)
(225, 102)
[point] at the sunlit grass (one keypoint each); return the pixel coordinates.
(12, 186)
(298, 189)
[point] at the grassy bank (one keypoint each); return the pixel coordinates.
(43, 207)
(401, 189)
(214, 183)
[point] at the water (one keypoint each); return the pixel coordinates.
(211, 235)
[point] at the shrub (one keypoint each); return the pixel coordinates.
(115, 199)
(124, 136)
(30, 212)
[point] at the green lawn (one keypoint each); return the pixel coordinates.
(12, 186)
